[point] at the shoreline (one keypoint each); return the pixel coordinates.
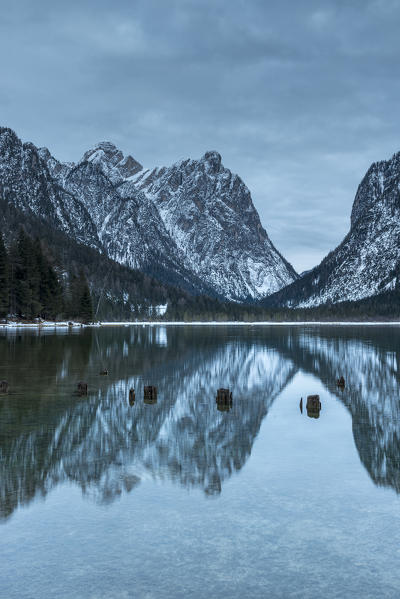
(78, 325)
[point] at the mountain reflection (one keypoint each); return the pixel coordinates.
(369, 360)
(107, 444)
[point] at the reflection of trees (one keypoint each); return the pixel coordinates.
(105, 445)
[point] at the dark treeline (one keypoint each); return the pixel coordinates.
(46, 274)
(382, 307)
(32, 286)
(118, 292)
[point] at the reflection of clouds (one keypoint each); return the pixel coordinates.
(370, 365)
(183, 437)
(107, 446)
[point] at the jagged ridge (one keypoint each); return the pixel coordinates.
(193, 224)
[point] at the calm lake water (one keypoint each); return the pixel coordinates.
(182, 498)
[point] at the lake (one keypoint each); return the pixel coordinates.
(181, 496)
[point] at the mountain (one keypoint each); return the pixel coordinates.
(26, 183)
(128, 229)
(192, 224)
(210, 214)
(367, 262)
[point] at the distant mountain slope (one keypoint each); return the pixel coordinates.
(193, 224)
(210, 214)
(25, 181)
(367, 261)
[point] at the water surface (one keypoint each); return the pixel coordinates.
(184, 497)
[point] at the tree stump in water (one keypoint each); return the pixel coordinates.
(313, 406)
(150, 394)
(224, 400)
(82, 388)
(131, 397)
(4, 386)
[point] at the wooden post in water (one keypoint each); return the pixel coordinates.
(150, 394)
(131, 397)
(313, 406)
(224, 400)
(82, 388)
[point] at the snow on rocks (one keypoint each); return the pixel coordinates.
(192, 224)
(368, 259)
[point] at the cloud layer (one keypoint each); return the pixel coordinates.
(299, 98)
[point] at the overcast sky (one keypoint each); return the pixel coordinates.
(298, 97)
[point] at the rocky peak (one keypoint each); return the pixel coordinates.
(7, 135)
(10, 149)
(379, 188)
(367, 262)
(209, 213)
(112, 161)
(44, 154)
(104, 150)
(129, 167)
(193, 223)
(213, 161)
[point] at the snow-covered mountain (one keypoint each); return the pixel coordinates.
(25, 182)
(193, 224)
(368, 259)
(210, 214)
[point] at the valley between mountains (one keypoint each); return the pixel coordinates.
(170, 234)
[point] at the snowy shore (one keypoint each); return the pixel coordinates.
(74, 325)
(42, 324)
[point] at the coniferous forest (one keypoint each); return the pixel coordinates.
(45, 277)
(32, 287)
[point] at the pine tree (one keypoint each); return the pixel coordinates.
(80, 304)
(54, 306)
(73, 297)
(50, 290)
(26, 265)
(34, 278)
(21, 275)
(4, 280)
(85, 305)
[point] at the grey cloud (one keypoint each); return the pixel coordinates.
(299, 98)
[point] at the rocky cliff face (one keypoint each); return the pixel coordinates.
(192, 224)
(210, 214)
(368, 259)
(25, 181)
(128, 224)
